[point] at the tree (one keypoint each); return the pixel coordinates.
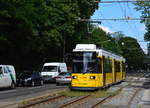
(102, 40)
(31, 28)
(36, 31)
(144, 8)
(132, 52)
(86, 10)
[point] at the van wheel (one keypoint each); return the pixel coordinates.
(13, 85)
(32, 83)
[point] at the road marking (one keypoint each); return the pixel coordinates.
(35, 87)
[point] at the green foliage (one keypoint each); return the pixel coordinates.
(144, 8)
(132, 52)
(37, 31)
(102, 40)
(34, 31)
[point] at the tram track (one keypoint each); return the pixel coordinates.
(62, 101)
(78, 101)
(99, 103)
(74, 101)
(133, 96)
(34, 104)
(42, 101)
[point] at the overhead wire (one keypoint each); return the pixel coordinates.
(134, 28)
(125, 15)
(130, 12)
(121, 1)
(134, 24)
(107, 21)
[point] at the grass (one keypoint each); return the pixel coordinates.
(97, 94)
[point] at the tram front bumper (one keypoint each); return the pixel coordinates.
(84, 88)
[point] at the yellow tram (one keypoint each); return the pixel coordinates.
(95, 68)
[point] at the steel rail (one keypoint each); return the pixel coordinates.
(74, 101)
(41, 101)
(103, 100)
(130, 101)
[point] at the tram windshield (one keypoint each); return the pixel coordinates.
(84, 62)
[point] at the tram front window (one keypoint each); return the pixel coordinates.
(84, 62)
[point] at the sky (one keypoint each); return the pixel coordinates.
(132, 28)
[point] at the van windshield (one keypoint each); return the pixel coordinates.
(49, 69)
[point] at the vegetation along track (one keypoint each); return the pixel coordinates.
(74, 101)
(52, 99)
(42, 101)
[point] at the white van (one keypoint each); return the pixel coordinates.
(51, 70)
(7, 76)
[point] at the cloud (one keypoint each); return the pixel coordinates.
(142, 28)
(106, 29)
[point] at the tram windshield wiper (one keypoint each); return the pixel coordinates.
(85, 72)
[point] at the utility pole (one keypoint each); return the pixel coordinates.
(64, 49)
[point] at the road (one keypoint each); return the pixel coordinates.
(21, 93)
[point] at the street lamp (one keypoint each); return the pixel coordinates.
(122, 43)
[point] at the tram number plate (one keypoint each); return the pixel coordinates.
(83, 77)
(83, 83)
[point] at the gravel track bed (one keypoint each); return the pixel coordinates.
(136, 100)
(86, 103)
(57, 103)
(121, 100)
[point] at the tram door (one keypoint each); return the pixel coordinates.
(114, 71)
(121, 65)
(104, 73)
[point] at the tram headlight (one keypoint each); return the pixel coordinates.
(74, 77)
(92, 77)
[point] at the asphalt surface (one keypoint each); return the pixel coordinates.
(26, 92)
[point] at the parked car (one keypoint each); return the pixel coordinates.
(147, 75)
(63, 78)
(30, 79)
(51, 70)
(7, 76)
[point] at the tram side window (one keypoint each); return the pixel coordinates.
(107, 65)
(123, 67)
(99, 66)
(117, 66)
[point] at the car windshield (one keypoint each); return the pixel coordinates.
(25, 75)
(49, 69)
(65, 73)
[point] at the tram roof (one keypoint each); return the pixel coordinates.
(100, 52)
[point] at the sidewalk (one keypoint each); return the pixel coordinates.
(145, 101)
